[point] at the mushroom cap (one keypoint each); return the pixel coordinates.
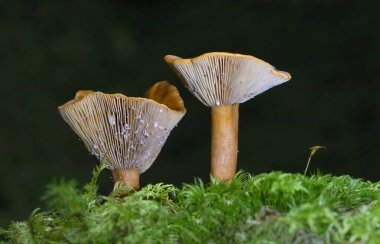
(220, 78)
(125, 132)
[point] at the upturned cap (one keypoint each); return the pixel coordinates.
(125, 132)
(221, 78)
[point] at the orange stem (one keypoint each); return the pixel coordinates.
(224, 141)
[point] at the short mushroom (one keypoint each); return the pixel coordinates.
(125, 133)
(222, 81)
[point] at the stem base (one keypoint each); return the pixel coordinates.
(128, 177)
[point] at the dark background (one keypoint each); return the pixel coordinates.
(51, 49)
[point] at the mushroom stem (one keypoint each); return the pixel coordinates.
(128, 177)
(224, 141)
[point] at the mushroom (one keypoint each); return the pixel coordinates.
(222, 81)
(126, 133)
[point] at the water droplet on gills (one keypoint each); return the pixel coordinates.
(111, 120)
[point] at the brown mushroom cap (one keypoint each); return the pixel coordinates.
(125, 132)
(166, 94)
(220, 78)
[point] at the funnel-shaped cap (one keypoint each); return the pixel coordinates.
(125, 132)
(224, 78)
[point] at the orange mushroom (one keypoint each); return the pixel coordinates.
(125, 133)
(222, 81)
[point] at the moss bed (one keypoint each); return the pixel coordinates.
(266, 208)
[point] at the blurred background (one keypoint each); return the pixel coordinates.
(51, 49)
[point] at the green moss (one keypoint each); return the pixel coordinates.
(267, 208)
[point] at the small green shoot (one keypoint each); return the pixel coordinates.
(313, 150)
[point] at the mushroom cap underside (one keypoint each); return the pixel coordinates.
(220, 78)
(122, 132)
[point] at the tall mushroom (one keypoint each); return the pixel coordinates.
(126, 133)
(222, 81)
